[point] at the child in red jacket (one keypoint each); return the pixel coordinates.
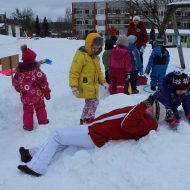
(119, 65)
(32, 85)
(131, 122)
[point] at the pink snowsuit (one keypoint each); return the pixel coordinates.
(119, 65)
(32, 85)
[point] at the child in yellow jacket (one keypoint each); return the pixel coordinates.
(86, 75)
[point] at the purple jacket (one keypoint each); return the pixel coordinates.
(170, 99)
(31, 83)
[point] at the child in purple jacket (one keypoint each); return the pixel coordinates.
(32, 85)
(175, 92)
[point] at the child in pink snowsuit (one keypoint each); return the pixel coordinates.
(32, 85)
(119, 65)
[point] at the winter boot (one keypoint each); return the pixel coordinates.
(27, 129)
(25, 155)
(85, 121)
(135, 91)
(46, 122)
(26, 170)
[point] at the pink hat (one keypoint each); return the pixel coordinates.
(181, 81)
(28, 55)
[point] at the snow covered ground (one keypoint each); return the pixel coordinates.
(158, 161)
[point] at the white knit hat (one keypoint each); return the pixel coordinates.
(122, 40)
(131, 39)
(159, 111)
(136, 18)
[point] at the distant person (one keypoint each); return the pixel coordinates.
(158, 63)
(32, 85)
(113, 32)
(105, 57)
(119, 65)
(137, 28)
(131, 122)
(137, 66)
(152, 36)
(175, 93)
(86, 75)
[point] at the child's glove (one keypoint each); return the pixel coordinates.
(142, 49)
(47, 95)
(169, 114)
(106, 86)
(173, 122)
(75, 91)
(141, 71)
(147, 70)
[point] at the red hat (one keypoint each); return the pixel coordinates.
(181, 81)
(28, 55)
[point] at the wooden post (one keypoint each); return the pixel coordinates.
(178, 41)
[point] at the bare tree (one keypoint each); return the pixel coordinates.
(25, 18)
(149, 9)
(68, 15)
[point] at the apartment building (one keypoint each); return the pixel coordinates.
(99, 16)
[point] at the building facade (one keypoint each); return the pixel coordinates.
(99, 16)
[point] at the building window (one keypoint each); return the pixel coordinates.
(87, 11)
(123, 10)
(100, 11)
(169, 38)
(101, 22)
(183, 39)
(79, 11)
(79, 22)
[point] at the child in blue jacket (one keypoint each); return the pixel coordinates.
(137, 66)
(158, 62)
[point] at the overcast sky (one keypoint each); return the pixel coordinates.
(50, 8)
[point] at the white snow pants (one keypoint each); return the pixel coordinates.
(58, 140)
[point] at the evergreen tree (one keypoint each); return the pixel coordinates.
(46, 28)
(37, 27)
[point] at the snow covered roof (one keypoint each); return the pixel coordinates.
(179, 3)
(171, 31)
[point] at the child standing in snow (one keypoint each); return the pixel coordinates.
(119, 65)
(32, 85)
(105, 57)
(158, 62)
(137, 66)
(86, 75)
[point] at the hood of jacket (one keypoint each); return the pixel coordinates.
(89, 42)
(119, 51)
(139, 25)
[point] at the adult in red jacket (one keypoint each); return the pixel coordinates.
(137, 28)
(131, 122)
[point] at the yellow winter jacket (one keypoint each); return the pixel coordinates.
(85, 71)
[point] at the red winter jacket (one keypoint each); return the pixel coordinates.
(120, 58)
(31, 83)
(140, 32)
(130, 122)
